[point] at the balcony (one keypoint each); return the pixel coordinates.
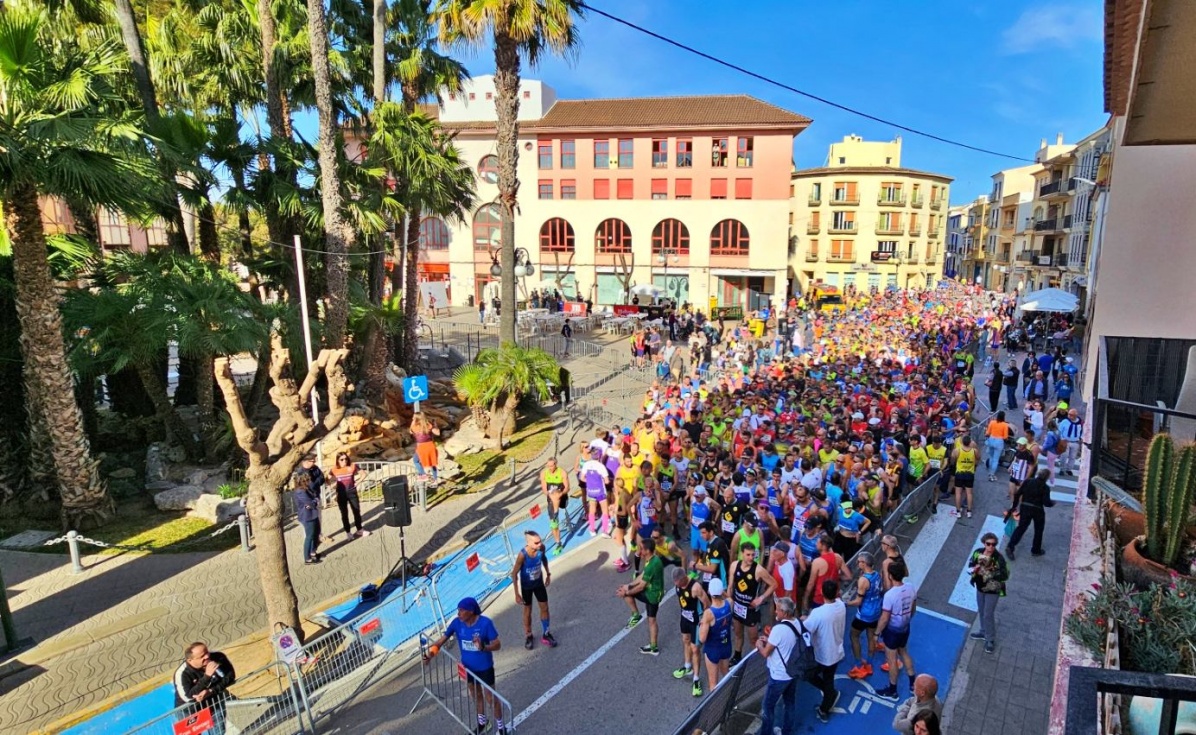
(889, 229)
(915, 230)
(815, 200)
(1027, 256)
(936, 204)
(1050, 189)
(1044, 261)
(843, 228)
(1047, 225)
(841, 199)
(813, 228)
(841, 258)
(916, 201)
(931, 258)
(935, 234)
(894, 200)
(1061, 260)
(910, 259)
(1003, 256)
(811, 257)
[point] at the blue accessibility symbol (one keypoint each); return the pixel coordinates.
(415, 388)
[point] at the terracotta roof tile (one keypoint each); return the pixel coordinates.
(680, 113)
(1122, 21)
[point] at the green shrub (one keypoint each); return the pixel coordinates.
(231, 491)
(1157, 626)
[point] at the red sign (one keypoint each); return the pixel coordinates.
(195, 724)
(626, 309)
(575, 308)
(472, 561)
(370, 626)
(461, 672)
(534, 511)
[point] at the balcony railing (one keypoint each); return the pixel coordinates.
(842, 200)
(811, 257)
(889, 229)
(936, 203)
(815, 200)
(1061, 259)
(1027, 256)
(910, 259)
(1122, 434)
(1046, 225)
(843, 228)
(1069, 221)
(1088, 687)
(813, 228)
(931, 258)
(841, 258)
(916, 201)
(935, 233)
(1053, 188)
(915, 230)
(885, 200)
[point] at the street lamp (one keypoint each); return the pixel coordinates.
(663, 258)
(523, 264)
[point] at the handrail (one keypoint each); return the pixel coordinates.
(1148, 407)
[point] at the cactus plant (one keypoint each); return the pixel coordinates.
(1155, 483)
(1181, 495)
(1169, 490)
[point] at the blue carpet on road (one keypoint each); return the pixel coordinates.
(128, 715)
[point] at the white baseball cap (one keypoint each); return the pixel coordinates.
(716, 587)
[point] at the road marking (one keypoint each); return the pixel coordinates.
(940, 616)
(920, 556)
(580, 668)
(1068, 484)
(964, 594)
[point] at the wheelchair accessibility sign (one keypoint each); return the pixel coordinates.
(415, 388)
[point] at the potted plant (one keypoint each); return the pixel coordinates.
(1168, 490)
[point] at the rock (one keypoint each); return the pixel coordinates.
(216, 509)
(394, 455)
(125, 473)
(180, 497)
(158, 486)
(196, 477)
(175, 454)
(467, 440)
(155, 462)
(449, 469)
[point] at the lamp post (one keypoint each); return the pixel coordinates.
(663, 258)
(523, 266)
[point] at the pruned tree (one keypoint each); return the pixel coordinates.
(559, 276)
(273, 459)
(626, 269)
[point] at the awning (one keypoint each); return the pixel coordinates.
(754, 273)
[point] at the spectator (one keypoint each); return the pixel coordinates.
(203, 680)
(927, 723)
(827, 624)
(1031, 499)
(924, 699)
(307, 508)
(477, 639)
(782, 689)
(347, 499)
(567, 333)
(988, 574)
(313, 470)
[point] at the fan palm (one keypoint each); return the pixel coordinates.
(499, 379)
(64, 130)
(517, 28)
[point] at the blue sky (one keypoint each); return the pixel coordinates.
(998, 75)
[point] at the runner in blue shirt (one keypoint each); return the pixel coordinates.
(477, 639)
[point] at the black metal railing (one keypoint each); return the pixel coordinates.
(1121, 435)
(1046, 225)
(1146, 369)
(1054, 187)
(1088, 686)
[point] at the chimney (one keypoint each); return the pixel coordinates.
(1059, 139)
(1042, 143)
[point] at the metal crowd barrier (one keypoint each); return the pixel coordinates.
(446, 682)
(266, 701)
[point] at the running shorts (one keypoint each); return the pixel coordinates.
(965, 479)
(894, 639)
(539, 591)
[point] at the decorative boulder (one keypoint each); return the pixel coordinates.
(181, 497)
(216, 509)
(155, 462)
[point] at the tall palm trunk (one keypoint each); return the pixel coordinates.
(126, 18)
(411, 292)
(41, 457)
(280, 227)
(172, 423)
(84, 497)
(506, 102)
(379, 51)
(377, 348)
(337, 232)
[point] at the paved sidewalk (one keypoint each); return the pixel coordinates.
(125, 619)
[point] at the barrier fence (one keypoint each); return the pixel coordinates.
(446, 681)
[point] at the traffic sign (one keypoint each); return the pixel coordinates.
(415, 388)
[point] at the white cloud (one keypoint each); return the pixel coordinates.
(1050, 27)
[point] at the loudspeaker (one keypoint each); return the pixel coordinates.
(397, 499)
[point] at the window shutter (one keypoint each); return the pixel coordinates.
(718, 188)
(602, 188)
(626, 188)
(743, 188)
(660, 186)
(684, 187)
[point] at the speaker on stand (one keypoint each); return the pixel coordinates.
(396, 501)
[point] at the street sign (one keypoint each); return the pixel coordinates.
(415, 388)
(196, 724)
(880, 257)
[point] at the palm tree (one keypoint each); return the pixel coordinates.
(64, 131)
(499, 379)
(516, 27)
(338, 235)
(435, 180)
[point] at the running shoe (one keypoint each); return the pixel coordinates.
(634, 620)
(621, 566)
(481, 728)
(528, 643)
(548, 640)
(502, 730)
(863, 671)
(556, 551)
(650, 650)
(885, 665)
(736, 658)
(606, 534)
(822, 716)
(989, 647)
(969, 512)
(956, 514)
(889, 693)
(977, 636)
(697, 689)
(911, 518)
(682, 672)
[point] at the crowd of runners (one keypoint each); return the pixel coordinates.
(761, 470)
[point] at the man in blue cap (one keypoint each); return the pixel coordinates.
(478, 640)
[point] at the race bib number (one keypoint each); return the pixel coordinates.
(688, 615)
(666, 485)
(707, 576)
(740, 610)
(534, 575)
(728, 526)
(935, 464)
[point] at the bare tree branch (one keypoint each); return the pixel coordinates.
(247, 436)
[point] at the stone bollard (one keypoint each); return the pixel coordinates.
(243, 528)
(72, 542)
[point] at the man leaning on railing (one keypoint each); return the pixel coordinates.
(203, 680)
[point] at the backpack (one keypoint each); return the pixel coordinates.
(801, 661)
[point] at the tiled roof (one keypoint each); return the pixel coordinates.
(1122, 20)
(677, 113)
(870, 171)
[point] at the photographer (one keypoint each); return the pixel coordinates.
(203, 679)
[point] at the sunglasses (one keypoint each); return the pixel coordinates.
(990, 543)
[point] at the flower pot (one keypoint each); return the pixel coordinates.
(1142, 572)
(1126, 524)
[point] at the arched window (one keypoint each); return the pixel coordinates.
(487, 222)
(613, 236)
(556, 236)
(488, 169)
(433, 234)
(671, 236)
(729, 237)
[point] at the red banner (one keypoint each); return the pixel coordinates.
(575, 308)
(472, 561)
(195, 724)
(534, 511)
(626, 309)
(370, 626)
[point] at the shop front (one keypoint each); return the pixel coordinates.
(746, 289)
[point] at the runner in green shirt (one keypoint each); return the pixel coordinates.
(648, 589)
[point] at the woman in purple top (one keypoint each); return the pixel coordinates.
(594, 477)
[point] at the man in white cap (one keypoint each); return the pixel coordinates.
(715, 633)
